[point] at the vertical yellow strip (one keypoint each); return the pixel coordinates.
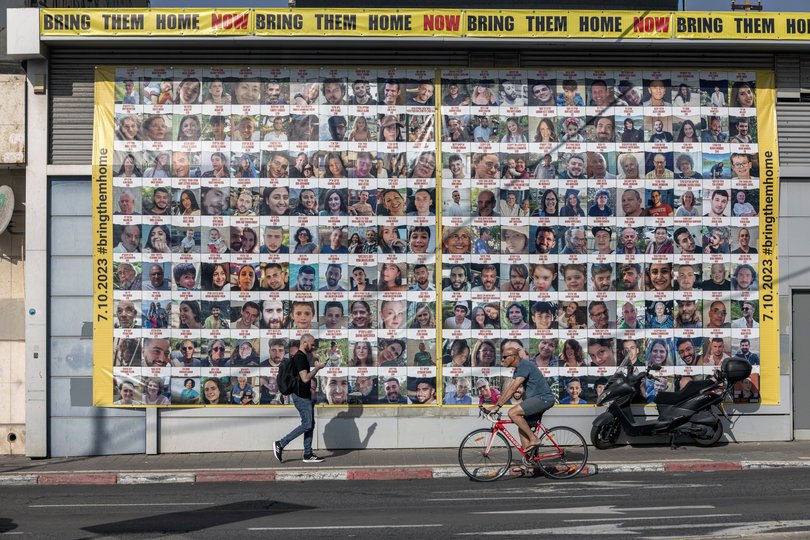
(103, 131)
(437, 121)
(768, 238)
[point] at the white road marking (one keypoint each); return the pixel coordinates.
(600, 528)
(332, 527)
(783, 535)
(604, 528)
(92, 505)
(557, 488)
(610, 510)
(657, 517)
(553, 487)
(555, 496)
(636, 483)
(752, 529)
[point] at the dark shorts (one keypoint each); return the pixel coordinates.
(535, 407)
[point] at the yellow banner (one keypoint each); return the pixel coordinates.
(372, 22)
(568, 24)
(425, 23)
(154, 22)
(104, 122)
(708, 25)
(768, 237)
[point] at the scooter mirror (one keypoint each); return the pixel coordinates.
(654, 367)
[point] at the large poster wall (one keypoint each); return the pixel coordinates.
(416, 221)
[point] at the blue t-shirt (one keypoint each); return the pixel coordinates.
(480, 247)
(536, 385)
(452, 399)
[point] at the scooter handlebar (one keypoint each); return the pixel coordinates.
(654, 377)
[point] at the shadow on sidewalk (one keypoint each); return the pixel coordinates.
(23, 464)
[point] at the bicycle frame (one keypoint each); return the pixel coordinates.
(486, 460)
(500, 426)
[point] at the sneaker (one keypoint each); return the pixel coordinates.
(278, 451)
(312, 458)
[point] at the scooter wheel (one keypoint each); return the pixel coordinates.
(710, 441)
(604, 436)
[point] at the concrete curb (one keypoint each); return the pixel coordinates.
(766, 464)
(78, 478)
(630, 467)
(704, 467)
(375, 473)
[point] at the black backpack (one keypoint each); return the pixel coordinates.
(287, 377)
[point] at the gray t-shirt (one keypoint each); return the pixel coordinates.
(535, 383)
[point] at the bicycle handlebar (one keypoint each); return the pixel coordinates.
(492, 416)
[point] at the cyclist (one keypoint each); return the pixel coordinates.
(538, 397)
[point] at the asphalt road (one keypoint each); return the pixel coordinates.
(637, 505)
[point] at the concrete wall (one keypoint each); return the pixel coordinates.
(12, 267)
(794, 273)
(12, 120)
(12, 318)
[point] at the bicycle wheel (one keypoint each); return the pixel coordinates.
(484, 456)
(570, 461)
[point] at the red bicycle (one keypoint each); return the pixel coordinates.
(486, 454)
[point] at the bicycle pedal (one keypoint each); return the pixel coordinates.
(529, 462)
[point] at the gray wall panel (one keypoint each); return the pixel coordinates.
(801, 363)
(71, 236)
(793, 272)
(793, 236)
(794, 195)
(71, 198)
(71, 401)
(71, 356)
(69, 314)
(97, 436)
(71, 276)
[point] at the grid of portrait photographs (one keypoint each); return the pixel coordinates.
(254, 206)
(597, 217)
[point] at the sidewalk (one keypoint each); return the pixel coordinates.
(374, 464)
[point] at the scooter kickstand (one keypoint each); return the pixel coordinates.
(672, 441)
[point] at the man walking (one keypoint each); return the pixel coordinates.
(303, 400)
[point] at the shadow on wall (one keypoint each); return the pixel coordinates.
(342, 433)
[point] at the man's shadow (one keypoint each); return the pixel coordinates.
(341, 434)
(7, 525)
(189, 521)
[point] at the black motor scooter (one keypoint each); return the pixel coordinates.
(692, 411)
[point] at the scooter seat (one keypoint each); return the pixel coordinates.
(693, 388)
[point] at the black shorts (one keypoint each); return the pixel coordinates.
(534, 407)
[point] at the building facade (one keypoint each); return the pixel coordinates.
(51, 407)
